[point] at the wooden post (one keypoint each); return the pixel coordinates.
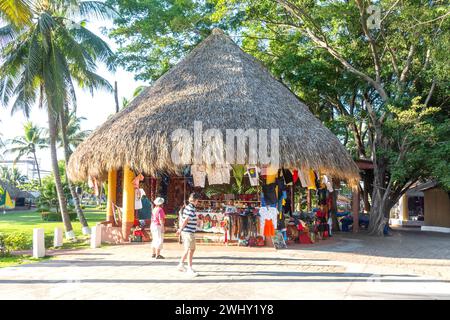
(404, 207)
(308, 200)
(128, 202)
(355, 209)
(292, 198)
(112, 195)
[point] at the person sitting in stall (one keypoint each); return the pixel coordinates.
(322, 222)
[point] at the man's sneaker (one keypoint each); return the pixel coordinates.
(153, 255)
(160, 257)
(181, 268)
(191, 272)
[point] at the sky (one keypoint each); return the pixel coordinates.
(95, 109)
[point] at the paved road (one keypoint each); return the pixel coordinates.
(408, 265)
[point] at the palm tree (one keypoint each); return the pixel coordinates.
(70, 136)
(28, 144)
(45, 60)
(74, 133)
(16, 12)
(13, 176)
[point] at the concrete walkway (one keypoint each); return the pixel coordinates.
(405, 266)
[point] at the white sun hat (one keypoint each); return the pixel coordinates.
(158, 201)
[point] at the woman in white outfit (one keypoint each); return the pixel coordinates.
(157, 228)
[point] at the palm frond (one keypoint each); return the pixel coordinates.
(92, 9)
(17, 12)
(98, 48)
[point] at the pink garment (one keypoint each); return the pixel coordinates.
(137, 179)
(158, 215)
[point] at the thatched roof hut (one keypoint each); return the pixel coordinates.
(224, 87)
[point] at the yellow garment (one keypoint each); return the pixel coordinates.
(8, 202)
(312, 180)
(272, 173)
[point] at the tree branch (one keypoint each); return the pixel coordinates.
(372, 45)
(298, 13)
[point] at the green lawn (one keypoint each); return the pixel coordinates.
(26, 221)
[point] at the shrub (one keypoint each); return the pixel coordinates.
(14, 241)
(53, 216)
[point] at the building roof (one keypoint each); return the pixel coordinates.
(225, 88)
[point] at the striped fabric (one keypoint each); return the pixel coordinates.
(189, 211)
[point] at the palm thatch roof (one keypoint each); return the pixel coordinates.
(225, 88)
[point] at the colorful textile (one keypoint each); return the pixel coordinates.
(312, 180)
(267, 213)
(288, 178)
(269, 230)
(136, 180)
(146, 212)
(294, 176)
(253, 175)
(138, 193)
(269, 192)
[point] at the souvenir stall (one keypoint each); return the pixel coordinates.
(159, 134)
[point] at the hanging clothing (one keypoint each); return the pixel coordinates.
(304, 178)
(218, 174)
(225, 171)
(272, 173)
(199, 175)
(269, 192)
(146, 212)
(138, 193)
(267, 213)
(328, 183)
(322, 196)
(136, 180)
(280, 184)
(312, 180)
(253, 175)
(269, 230)
(288, 178)
(294, 176)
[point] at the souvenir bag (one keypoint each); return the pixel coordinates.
(260, 241)
(252, 242)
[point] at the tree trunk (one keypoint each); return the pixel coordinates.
(333, 210)
(76, 199)
(37, 168)
(59, 188)
(379, 201)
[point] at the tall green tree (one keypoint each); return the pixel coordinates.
(28, 144)
(377, 75)
(46, 59)
(13, 176)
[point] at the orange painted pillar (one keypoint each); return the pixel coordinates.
(112, 194)
(355, 209)
(127, 202)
